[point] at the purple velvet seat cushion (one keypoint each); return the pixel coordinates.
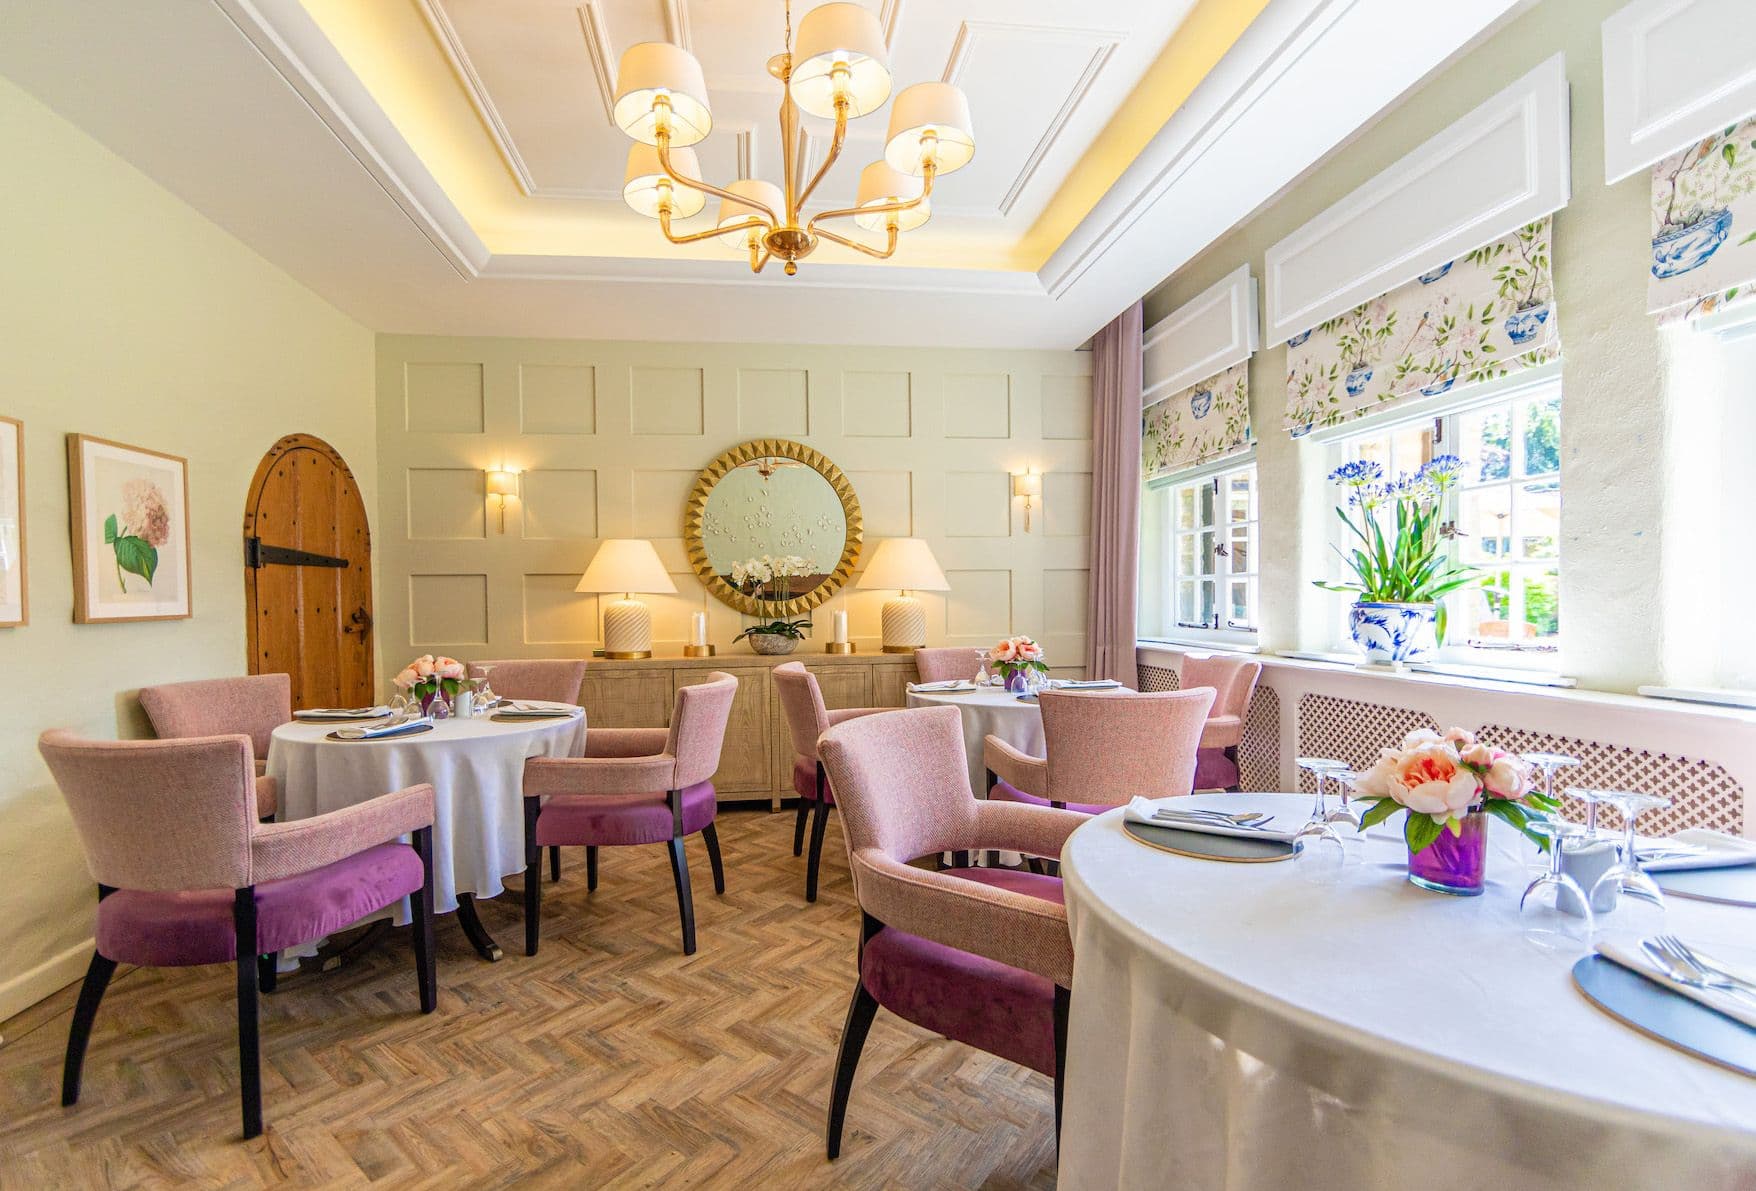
(170, 930)
(1214, 770)
(805, 780)
(613, 819)
(991, 1006)
(1007, 792)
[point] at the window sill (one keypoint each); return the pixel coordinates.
(1716, 696)
(1215, 644)
(1444, 669)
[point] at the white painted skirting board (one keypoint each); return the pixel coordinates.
(1204, 336)
(1495, 170)
(1674, 71)
(20, 992)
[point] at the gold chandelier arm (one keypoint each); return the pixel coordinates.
(664, 156)
(758, 258)
(709, 234)
(859, 247)
(835, 147)
(877, 208)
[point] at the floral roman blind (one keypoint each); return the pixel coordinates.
(1489, 313)
(1704, 226)
(1206, 422)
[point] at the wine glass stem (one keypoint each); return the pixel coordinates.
(1628, 839)
(1317, 807)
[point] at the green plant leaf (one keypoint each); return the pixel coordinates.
(1419, 831)
(136, 557)
(1380, 811)
(111, 530)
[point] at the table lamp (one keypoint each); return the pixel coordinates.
(630, 566)
(905, 564)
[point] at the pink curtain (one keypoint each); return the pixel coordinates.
(1115, 498)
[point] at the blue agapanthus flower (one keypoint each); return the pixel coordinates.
(1358, 473)
(1442, 471)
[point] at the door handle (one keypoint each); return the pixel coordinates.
(360, 622)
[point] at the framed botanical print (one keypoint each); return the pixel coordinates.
(130, 513)
(14, 587)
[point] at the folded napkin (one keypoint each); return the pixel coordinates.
(1083, 684)
(376, 731)
(949, 684)
(1627, 952)
(1140, 810)
(342, 713)
(1703, 848)
(538, 709)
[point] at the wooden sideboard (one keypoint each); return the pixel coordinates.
(757, 761)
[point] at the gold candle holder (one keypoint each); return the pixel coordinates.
(839, 647)
(698, 651)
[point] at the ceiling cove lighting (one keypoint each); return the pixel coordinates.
(836, 70)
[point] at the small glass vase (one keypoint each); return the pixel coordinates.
(1454, 864)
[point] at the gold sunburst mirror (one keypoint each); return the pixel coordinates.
(773, 528)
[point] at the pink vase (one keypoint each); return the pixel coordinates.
(1454, 864)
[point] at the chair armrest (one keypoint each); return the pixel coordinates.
(625, 742)
(841, 715)
(544, 776)
(1019, 770)
(280, 850)
(1012, 928)
(1222, 731)
(1020, 827)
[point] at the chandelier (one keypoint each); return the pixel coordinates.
(838, 71)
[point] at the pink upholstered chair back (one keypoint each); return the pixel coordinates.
(944, 663)
(254, 704)
(1233, 681)
(902, 782)
(698, 727)
(802, 700)
(159, 815)
(1108, 747)
(550, 680)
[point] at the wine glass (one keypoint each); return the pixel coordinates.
(1322, 768)
(484, 694)
(1554, 911)
(1345, 814)
(982, 675)
(1637, 900)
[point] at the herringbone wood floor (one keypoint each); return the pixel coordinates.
(607, 1060)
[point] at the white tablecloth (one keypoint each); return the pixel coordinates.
(991, 711)
(476, 768)
(1234, 1026)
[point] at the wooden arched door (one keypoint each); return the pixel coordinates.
(308, 574)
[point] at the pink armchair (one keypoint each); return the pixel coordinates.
(944, 663)
(1104, 748)
(1234, 684)
(548, 680)
(802, 700)
(633, 786)
(186, 875)
(980, 955)
(254, 705)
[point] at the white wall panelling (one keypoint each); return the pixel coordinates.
(1489, 173)
(1674, 71)
(1206, 335)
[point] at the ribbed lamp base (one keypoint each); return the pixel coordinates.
(905, 624)
(627, 630)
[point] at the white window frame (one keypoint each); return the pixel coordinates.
(1162, 586)
(1447, 409)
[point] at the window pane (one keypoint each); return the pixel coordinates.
(1186, 508)
(1206, 559)
(1240, 497)
(1240, 549)
(1537, 512)
(1204, 503)
(1186, 602)
(1411, 446)
(1486, 443)
(1240, 603)
(1484, 515)
(1186, 546)
(1542, 603)
(1207, 600)
(1542, 436)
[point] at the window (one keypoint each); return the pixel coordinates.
(1503, 518)
(1204, 583)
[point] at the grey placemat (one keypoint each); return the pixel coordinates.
(1666, 1016)
(1201, 845)
(414, 731)
(1730, 886)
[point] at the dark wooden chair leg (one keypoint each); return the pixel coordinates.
(813, 862)
(591, 869)
(1063, 1004)
(799, 826)
(266, 976)
(1236, 787)
(555, 862)
(861, 1010)
(685, 902)
(710, 837)
(533, 877)
(249, 1039)
(960, 860)
(91, 994)
(422, 905)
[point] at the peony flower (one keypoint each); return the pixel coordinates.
(448, 668)
(1030, 651)
(1005, 651)
(423, 665)
(406, 679)
(1480, 756)
(1434, 783)
(1459, 737)
(1508, 777)
(1419, 738)
(144, 512)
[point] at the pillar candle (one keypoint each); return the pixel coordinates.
(841, 628)
(698, 626)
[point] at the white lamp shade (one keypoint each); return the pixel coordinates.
(1029, 483)
(654, 70)
(880, 184)
(935, 114)
(904, 564)
(646, 185)
(840, 48)
(626, 565)
(733, 213)
(502, 483)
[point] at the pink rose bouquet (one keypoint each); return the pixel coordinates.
(1017, 655)
(427, 675)
(1442, 778)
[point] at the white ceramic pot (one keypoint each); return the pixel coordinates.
(1388, 633)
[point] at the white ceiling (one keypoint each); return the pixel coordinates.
(246, 110)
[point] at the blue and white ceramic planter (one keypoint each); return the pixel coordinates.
(1430, 277)
(1357, 380)
(1299, 339)
(1394, 633)
(1201, 403)
(1447, 378)
(1686, 248)
(1523, 324)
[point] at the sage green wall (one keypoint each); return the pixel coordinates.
(1617, 367)
(129, 316)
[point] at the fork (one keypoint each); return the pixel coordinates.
(1677, 947)
(1198, 812)
(1686, 971)
(1250, 823)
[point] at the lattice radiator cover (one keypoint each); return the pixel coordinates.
(1259, 751)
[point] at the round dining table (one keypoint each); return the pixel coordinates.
(989, 711)
(476, 769)
(1237, 1026)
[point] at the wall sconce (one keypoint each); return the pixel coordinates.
(502, 484)
(1028, 484)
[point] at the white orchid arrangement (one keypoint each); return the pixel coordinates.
(755, 574)
(1441, 779)
(427, 675)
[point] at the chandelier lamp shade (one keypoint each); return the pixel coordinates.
(836, 69)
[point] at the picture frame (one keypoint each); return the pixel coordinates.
(14, 544)
(130, 525)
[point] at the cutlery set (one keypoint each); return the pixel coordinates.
(1247, 819)
(1688, 966)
